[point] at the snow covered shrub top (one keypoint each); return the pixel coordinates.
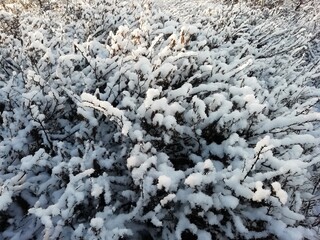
(119, 122)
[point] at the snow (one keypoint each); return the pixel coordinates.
(96, 190)
(167, 199)
(169, 122)
(108, 110)
(5, 199)
(151, 94)
(135, 161)
(96, 223)
(193, 180)
(208, 165)
(229, 201)
(117, 114)
(280, 193)
(204, 235)
(182, 91)
(144, 65)
(165, 69)
(158, 119)
(137, 135)
(28, 161)
(239, 225)
(156, 222)
(260, 193)
(200, 199)
(164, 182)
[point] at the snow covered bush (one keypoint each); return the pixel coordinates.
(120, 122)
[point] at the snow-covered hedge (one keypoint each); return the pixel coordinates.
(120, 122)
